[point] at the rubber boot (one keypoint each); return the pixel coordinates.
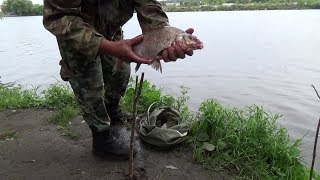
(105, 145)
(115, 113)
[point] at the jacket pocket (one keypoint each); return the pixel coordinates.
(65, 72)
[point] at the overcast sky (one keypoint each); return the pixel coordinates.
(33, 1)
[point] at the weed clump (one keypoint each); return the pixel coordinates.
(61, 98)
(16, 97)
(57, 97)
(8, 134)
(247, 142)
(149, 94)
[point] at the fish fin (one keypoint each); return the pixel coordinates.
(157, 66)
(137, 66)
(117, 66)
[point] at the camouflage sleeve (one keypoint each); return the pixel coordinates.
(150, 14)
(63, 19)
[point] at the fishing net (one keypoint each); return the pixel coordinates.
(164, 127)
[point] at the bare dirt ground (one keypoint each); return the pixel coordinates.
(40, 152)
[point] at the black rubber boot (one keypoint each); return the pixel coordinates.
(115, 113)
(105, 145)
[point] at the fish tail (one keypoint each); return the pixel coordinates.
(117, 66)
(157, 65)
(137, 66)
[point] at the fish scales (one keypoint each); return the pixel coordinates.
(155, 41)
(158, 39)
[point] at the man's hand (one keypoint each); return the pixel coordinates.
(123, 49)
(174, 52)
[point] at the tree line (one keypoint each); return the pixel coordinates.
(220, 2)
(27, 8)
(21, 8)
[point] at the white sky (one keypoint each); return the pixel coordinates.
(33, 1)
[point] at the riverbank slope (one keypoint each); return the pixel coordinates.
(38, 150)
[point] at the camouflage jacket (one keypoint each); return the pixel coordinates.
(80, 25)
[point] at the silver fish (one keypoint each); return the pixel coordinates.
(158, 39)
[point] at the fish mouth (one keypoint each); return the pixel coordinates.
(194, 42)
(199, 44)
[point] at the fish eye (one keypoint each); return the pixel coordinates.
(191, 38)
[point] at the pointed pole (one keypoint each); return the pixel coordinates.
(315, 141)
(137, 93)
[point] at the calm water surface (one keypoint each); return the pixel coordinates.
(267, 58)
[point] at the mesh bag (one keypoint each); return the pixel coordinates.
(163, 127)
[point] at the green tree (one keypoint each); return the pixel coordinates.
(37, 9)
(214, 2)
(17, 7)
(192, 3)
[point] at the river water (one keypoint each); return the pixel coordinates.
(268, 58)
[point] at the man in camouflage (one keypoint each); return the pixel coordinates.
(90, 39)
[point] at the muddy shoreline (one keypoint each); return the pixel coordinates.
(39, 151)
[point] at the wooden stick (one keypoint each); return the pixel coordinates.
(314, 150)
(315, 91)
(137, 93)
(315, 141)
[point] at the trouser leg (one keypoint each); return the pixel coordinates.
(88, 87)
(115, 85)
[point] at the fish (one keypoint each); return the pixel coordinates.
(158, 39)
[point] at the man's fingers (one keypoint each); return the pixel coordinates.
(171, 54)
(136, 40)
(165, 56)
(190, 30)
(158, 58)
(179, 51)
(189, 52)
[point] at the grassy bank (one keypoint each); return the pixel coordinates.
(57, 97)
(247, 143)
(238, 7)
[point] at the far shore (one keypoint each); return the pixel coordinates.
(240, 7)
(225, 7)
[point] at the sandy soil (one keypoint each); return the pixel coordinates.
(40, 152)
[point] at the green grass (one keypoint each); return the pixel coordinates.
(61, 98)
(247, 143)
(7, 134)
(17, 97)
(57, 97)
(149, 94)
(64, 115)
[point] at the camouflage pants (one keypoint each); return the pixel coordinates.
(94, 85)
